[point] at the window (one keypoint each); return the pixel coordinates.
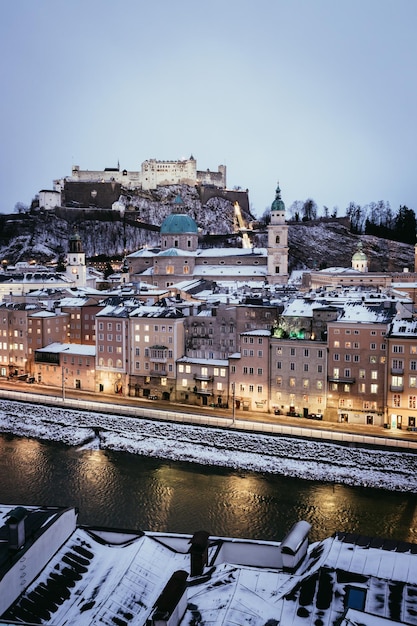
(355, 598)
(374, 388)
(413, 381)
(259, 388)
(279, 365)
(336, 357)
(412, 402)
(292, 367)
(413, 366)
(306, 367)
(306, 352)
(336, 344)
(260, 371)
(348, 345)
(374, 374)
(320, 354)
(396, 381)
(398, 349)
(372, 346)
(347, 357)
(335, 372)
(292, 351)
(292, 382)
(396, 400)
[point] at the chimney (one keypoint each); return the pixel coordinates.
(172, 603)
(199, 552)
(16, 528)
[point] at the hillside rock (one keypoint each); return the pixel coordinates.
(43, 236)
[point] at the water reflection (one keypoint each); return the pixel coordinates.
(122, 490)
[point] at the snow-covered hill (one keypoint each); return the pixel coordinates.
(44, 236)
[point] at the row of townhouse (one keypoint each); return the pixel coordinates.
(361, 369)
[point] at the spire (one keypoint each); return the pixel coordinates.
(278, 204)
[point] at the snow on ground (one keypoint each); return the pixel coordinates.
(394, 471)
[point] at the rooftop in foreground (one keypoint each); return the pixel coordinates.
(56, 572)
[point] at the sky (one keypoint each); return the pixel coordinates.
(319, 95)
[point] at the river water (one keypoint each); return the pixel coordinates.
(121, 490)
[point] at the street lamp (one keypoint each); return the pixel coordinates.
(233, 403)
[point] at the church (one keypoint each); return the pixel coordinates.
(179, 258)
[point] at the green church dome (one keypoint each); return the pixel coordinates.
(178, 224)
(278, 204)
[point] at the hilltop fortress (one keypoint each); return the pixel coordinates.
(101, 188)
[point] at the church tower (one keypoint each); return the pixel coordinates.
(277, 242)
(76, 268)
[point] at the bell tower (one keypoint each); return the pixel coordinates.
(76, 268)
(277, 242)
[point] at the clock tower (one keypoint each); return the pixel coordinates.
(278, 242)
(76, 268)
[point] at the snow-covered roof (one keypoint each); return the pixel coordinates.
(118, 577)
(175, 252)
(46, 314)
(69, 348)
(230, 270)
(403, 328)
(223, 252)
(257, 333)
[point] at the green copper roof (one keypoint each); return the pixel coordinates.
(178, 224)
(278, 204)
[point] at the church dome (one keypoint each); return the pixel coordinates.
(278, 204)
(178, 224)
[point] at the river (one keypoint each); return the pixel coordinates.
(122, 490)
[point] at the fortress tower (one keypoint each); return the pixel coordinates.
(277, 242)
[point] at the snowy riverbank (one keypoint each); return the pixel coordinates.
(394, 471)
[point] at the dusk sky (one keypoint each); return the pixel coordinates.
(318, 94)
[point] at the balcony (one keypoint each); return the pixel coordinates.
(162, 373)
(203, 391)
(399, 371)
(396, 388)
(342, 379)
(204, 377)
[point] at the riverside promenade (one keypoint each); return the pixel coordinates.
(353, 435)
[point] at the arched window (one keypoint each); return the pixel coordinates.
(110, 363)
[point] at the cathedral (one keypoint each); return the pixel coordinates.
(179, 258)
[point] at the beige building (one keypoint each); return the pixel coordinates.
(298, 376)
(249, 372)
(156, 339)
(203, 382)
(66, 366)
(401, 397)
(357, 364)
